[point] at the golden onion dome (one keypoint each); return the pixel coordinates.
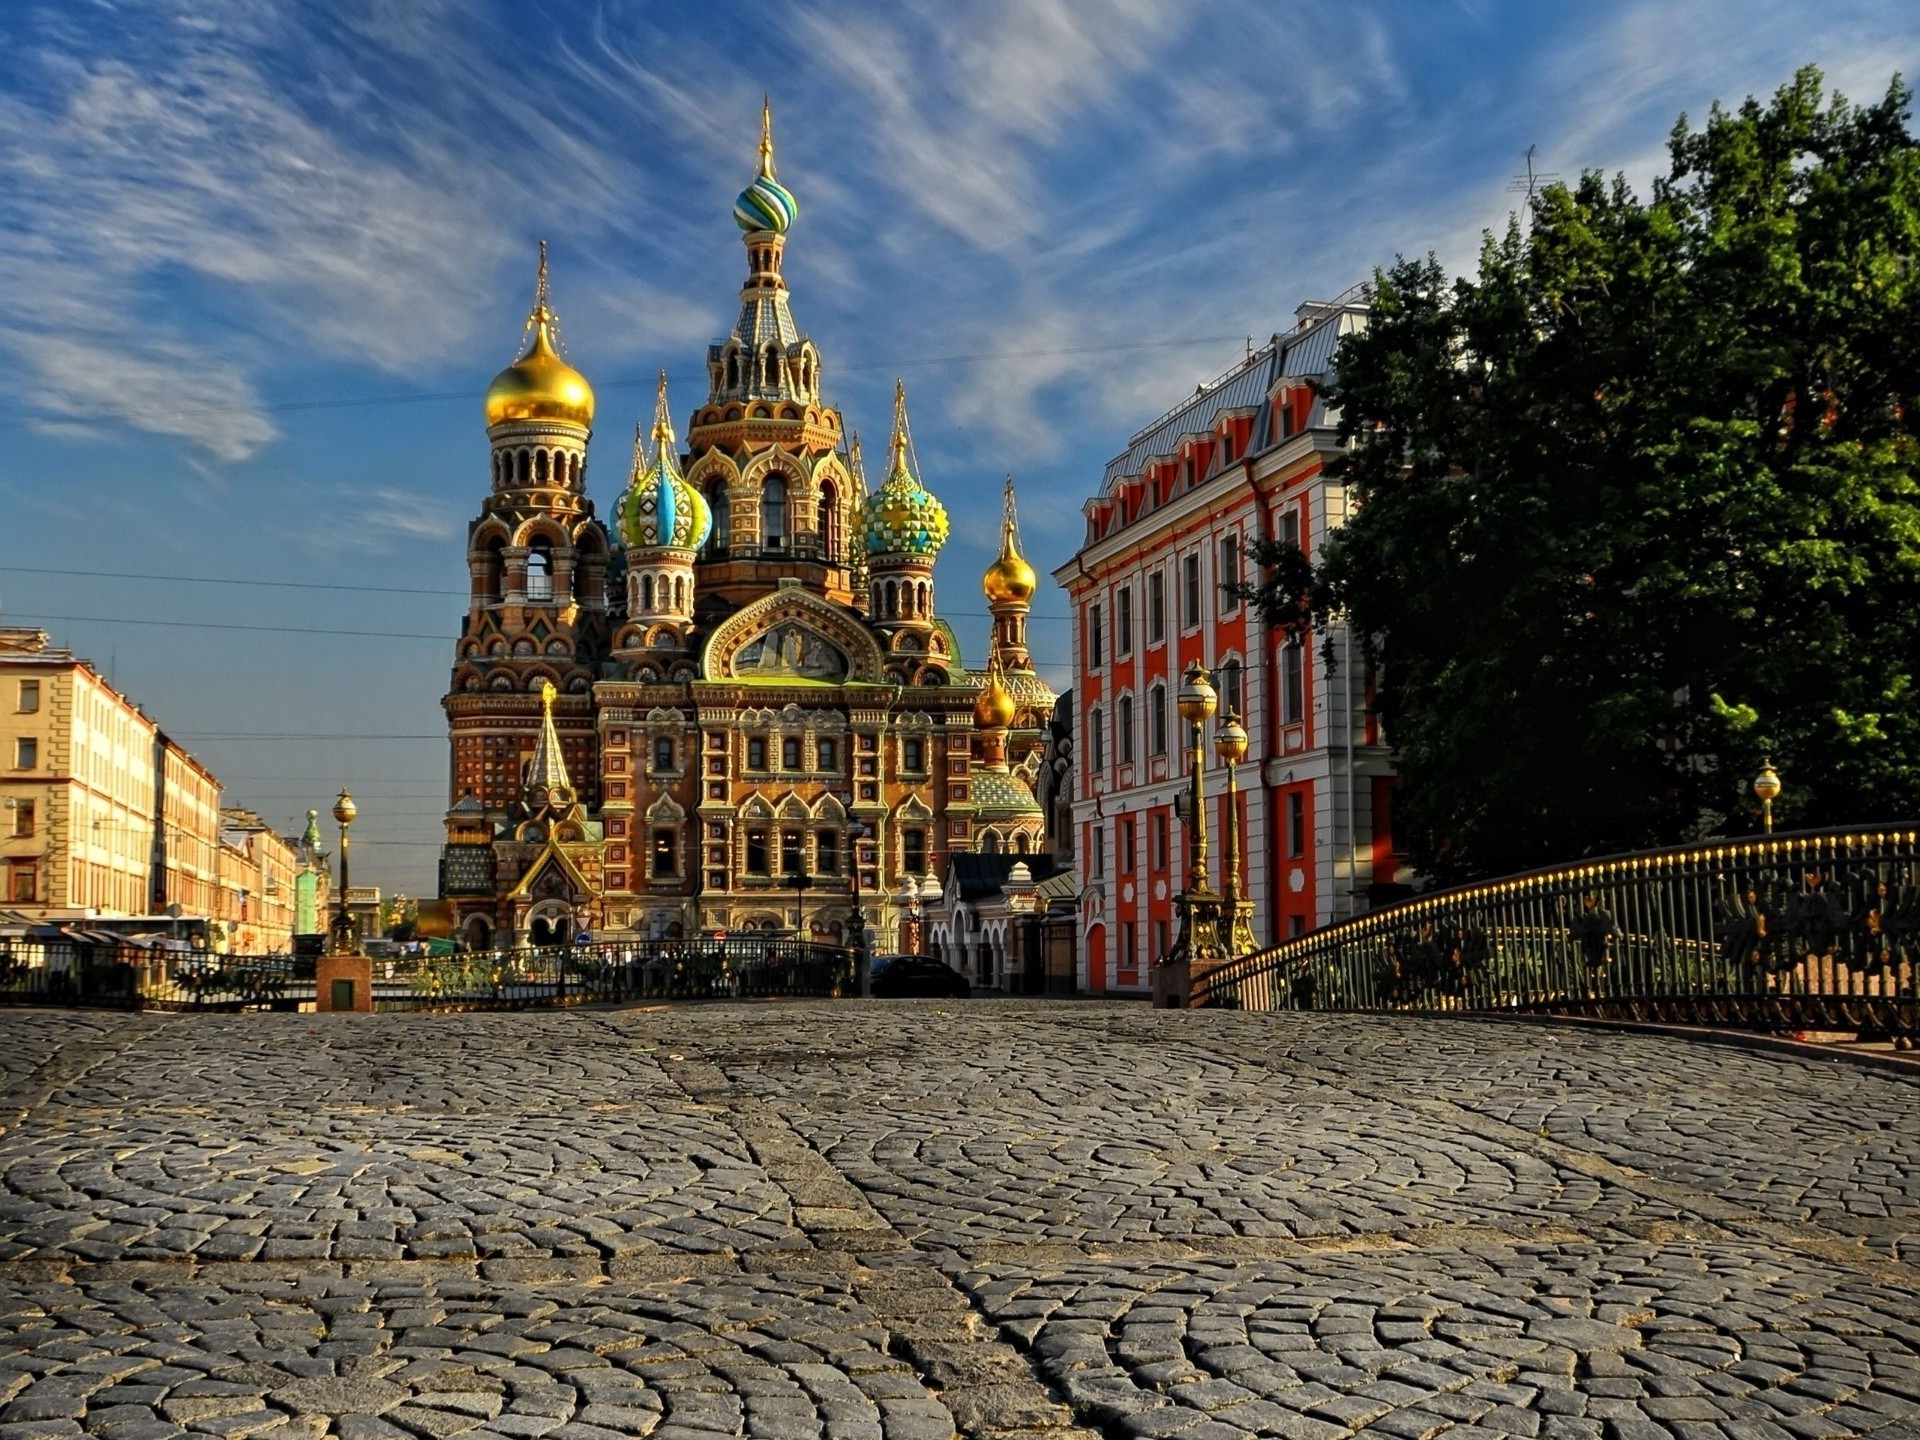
(995, 708)
(1010, 579)
(540, 385)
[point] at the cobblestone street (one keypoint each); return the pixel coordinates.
(903, 1221)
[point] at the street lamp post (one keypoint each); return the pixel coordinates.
(1197, 948)
(1766, 785)
(1230, 744)
(910, 907)
(863, 962)
(344, 811)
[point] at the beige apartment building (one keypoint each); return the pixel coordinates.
(77, 781)
(186, 869)
(256, 884)
(103, 815)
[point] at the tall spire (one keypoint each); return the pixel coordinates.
(897, 454)
(662, 416)
(541, 316)
(547, 781)
(766, 138)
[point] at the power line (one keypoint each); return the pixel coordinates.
(282, 407)
(217, 625)
(222, 580)
(357, 634)
(294, 735)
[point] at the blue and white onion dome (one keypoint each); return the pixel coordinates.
(659, 509)
(902, 517)
(766, 204)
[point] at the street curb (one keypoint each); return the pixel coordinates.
(1897, 1064)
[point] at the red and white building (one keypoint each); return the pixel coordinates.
(1244, 458)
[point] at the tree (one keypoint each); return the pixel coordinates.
(1638, 502)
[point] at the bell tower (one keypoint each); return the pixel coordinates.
(537, 562)
(765, 451)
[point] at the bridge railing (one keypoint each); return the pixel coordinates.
(86, 973)
(1812, 930)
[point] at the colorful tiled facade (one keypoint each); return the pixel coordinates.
(660, 721)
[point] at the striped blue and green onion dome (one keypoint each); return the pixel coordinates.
(765, 205)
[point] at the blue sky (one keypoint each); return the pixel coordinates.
(261, 259)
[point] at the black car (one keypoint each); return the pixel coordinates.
(911, 977)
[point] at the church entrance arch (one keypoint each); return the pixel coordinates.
(549, 923)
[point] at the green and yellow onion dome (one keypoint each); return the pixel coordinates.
(540, 386)
(766, 204)
(902, 518)
(660, 510)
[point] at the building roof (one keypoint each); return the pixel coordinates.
(1303, 353)
(982, 875)
(1000, 793)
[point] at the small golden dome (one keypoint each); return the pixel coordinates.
(540, 386)
(994, 710)
(1010, 579)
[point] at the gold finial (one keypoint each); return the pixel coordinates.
(542, 313)
(1010, 522)
(547, 692)
(897, 461)
(854, 463)
(662, 416)
(766, 136)
(639, 450)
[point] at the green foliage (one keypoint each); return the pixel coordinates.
(1638, 502)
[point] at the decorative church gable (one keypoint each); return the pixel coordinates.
(792, 635)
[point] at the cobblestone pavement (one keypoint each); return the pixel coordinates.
(914, 1220)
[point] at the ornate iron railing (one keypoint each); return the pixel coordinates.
(83, 973)
(656, 969)
(1815, 930)
(128, 977)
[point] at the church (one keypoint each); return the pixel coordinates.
(732, 704)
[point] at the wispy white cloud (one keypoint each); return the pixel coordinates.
(188, 214)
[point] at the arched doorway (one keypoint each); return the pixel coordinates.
(550, 923)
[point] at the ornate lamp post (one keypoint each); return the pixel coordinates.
(910, 908)
(1197, 947)
(1766, 785)
(856, 832)
(1230, 744)
(344, 811)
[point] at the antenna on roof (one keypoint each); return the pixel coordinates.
(1526, 184)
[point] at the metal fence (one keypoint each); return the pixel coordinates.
(62, 972)
(1815, 930)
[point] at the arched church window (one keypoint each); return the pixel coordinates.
(646, 592)
(773, 512)
(720, 502)
(540, 465)
(771, 375)
(491, 569)
(733, 370)
(525, 467)
(829, 526)
(540, 571)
